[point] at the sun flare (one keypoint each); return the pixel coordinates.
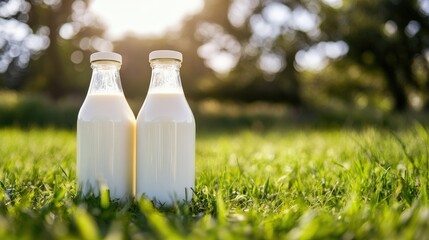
(145, 17)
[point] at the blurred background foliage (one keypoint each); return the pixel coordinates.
(342, 55)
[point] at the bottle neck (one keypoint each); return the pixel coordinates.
(165, 76)
(105, 78)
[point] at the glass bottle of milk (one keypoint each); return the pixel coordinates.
(106, 133)
(165, 164)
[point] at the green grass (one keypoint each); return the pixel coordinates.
(365, 183)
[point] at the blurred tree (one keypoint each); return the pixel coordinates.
(259, 48)
(391, 36)
(251, 45)
(58, 33)
(245, 50)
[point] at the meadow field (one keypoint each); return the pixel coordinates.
(289, 183)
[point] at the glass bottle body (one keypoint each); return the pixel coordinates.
(165, 169)
(106, 136)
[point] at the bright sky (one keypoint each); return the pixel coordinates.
(142, 17)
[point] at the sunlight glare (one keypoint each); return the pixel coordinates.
(145, 17)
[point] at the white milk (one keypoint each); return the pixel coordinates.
(106, 145)
(165, 147)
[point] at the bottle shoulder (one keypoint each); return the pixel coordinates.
(109, 107)
(165, 107)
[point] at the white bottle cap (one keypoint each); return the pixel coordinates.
(169, 54)
(109, 56)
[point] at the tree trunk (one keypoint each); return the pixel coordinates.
(55, 68)
(294, 87)
(400, 103)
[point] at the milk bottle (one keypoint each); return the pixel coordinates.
(165, 164)
(105, 132)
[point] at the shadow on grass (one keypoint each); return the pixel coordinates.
(27, 111)
(309, 119)
(36, 111)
